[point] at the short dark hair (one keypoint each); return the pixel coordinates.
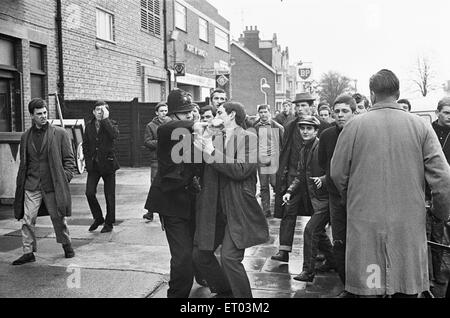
(443, 102)
(405, 101)
(205, 108)
(359, 98)
(325, 107)
(346, 99)
(101, 103)
(239, 109)
(217, 90)
(385, 83)
(160, 104)
(263, 106)
(36, 103)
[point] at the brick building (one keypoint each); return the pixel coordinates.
(272, 55)
(248, 73)
(199, 37)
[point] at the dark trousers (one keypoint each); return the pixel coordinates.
(265, 181)
(180, 233)
(315, 238)
(338, 217)
(109, 186)
(288, 222)
(231, 275)
(435, 233)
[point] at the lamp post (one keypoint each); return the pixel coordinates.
(263, 85)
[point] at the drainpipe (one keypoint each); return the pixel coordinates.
(60, 51)
(166, 64)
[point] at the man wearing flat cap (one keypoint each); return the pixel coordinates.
(287, 171)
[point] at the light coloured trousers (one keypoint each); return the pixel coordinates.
(33, 200)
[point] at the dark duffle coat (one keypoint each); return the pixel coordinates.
(62, 166)
(234, 184)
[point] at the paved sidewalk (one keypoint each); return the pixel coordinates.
(133, 260)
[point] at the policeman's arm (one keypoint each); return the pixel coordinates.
(150, 140)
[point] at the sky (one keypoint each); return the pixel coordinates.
(354, 37)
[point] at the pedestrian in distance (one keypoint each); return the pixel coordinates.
(99, 151)
(151, 142)
(46, 167)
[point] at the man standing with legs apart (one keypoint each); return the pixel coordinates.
(101, 162)
(344, 109)
(46, 168)
(379, 167)
(227, 210)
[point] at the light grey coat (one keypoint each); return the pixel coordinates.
(380, 164)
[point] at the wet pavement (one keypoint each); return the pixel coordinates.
(133, 260)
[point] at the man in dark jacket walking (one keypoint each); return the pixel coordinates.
(42, 188)
(151, 142)
(286, 115)
(101, 162)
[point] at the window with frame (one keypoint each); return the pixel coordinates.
(203, 29)
(221, 40)
(151, 16)
(105, 25)
(37, 71)
(180, 16)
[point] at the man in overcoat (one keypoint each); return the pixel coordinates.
(227, 210)
(42, 187)
(99, 151)
(379, 167)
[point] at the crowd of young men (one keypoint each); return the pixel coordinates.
(361, 169)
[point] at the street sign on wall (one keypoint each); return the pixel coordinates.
(223, 82)
(180, 69)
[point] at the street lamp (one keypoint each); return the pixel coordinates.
(263, 85)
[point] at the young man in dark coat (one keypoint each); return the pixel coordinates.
(172, 194)
(287, 171)
(42, 187)
(151, 142)
(101, 162)
(286, 115)
(227, 210)
(344, 110)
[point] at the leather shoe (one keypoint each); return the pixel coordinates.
(25, 258)
(346, 294)
(95, 225)
(68, 251)
(107, 228)
(305, 277)
(325, 267)
(281, 256)
(148, 216)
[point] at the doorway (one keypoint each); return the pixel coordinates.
(5, 105)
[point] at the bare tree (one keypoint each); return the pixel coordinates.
(333, 84)
(424, 75)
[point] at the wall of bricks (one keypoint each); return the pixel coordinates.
(109, 72)
(30, 21)
(245, 81)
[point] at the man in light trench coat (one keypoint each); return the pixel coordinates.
(380, 165)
